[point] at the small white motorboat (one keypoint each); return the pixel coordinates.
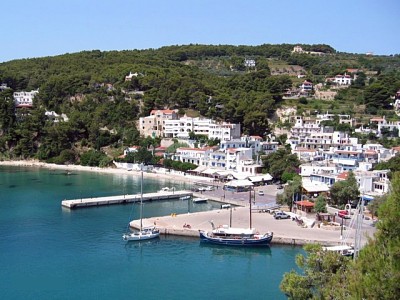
(199, 200)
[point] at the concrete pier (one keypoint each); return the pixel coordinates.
(285, 231)
(120, 199)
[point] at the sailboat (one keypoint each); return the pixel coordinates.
(144, 233)
(231, 236)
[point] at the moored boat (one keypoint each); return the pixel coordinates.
(341, 249)
(187, 197)
(199, 200)
(144, 234)
(226, 235)
(231, 236)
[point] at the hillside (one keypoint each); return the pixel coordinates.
(102, 107)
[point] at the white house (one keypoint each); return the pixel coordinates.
(131, 75)
(343, 79)
(24, 99)
(213, 130)
(193, 155)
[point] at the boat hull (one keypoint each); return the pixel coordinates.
(141, 235)
(200, 200)
(257, 240)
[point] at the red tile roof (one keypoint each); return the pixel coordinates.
(305, 203)
(343, 175)
(164, 111)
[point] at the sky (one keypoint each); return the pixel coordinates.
(53, 27)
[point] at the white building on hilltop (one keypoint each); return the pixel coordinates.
(24, 99)
(343, 79)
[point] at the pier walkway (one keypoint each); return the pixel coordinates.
(120, 199)
(285, 231)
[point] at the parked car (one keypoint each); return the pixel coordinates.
(279, 187)
(281, 215)
(344, 214)
(260, 193)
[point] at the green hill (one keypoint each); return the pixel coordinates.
(90, 88)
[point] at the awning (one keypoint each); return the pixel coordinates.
(199, 169)
(367, 197)
(240, 176)
(210, 172)
(238, 183)
(314, 187)
(260, 178)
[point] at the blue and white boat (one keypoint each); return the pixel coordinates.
(231, 236)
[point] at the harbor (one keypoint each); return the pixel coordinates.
(285, 231)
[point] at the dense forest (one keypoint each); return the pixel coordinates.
(213, 81)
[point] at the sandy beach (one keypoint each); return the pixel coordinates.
(173, 175)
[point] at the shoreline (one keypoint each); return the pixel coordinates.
(285, 233)
(173, 176)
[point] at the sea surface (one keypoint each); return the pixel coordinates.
(49, 252)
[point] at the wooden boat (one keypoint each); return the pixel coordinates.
(230, 236)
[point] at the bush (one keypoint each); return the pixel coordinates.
(303, 100)
(66, 156)
(92, 158)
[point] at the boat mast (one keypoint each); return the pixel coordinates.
(360, 217)
(250, 208)
(141, 197)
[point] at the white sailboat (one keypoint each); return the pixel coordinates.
(144, 233)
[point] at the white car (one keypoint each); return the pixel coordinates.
(260, 193)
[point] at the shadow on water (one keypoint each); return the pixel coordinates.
(139, 244)
(63, 174)
(237, 250)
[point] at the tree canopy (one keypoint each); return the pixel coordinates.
(375, 273)
(345, 191)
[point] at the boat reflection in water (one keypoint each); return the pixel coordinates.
(237, 251)
(229, 236)
(142, 243)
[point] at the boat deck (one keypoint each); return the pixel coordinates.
(120, 199)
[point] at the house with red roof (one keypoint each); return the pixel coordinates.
(343, 79)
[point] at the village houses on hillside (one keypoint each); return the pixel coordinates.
(326, 155)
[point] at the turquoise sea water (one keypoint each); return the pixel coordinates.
(47, 252)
